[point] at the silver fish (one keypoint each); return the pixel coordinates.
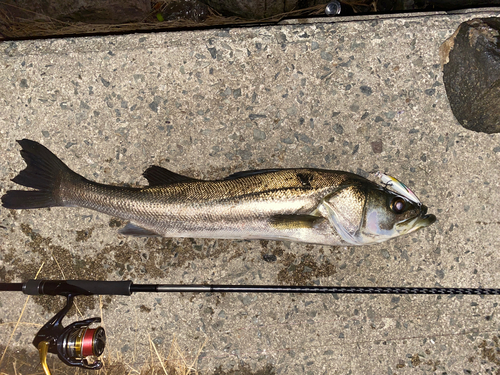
(304, 205)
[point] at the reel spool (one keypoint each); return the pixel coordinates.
(83, 342)
(75, 345)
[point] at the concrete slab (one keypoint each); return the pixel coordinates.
(357, 96)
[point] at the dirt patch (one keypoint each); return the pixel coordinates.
(415, 360)
(301, 270)
(491, 350)
(28, 362)
(179, 252)
(154, 259)
(84, 234)
(271, 254)
(401, 364)
(59, 263)
(115, 223)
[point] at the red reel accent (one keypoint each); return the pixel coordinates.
(88, 342)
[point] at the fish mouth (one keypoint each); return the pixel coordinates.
(421, 221)
(424, 218)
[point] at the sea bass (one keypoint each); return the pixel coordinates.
(303, 205)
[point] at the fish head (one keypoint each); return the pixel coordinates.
(366, 213)
(388, 215)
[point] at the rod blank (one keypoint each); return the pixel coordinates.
(11, 287)
(320, 289)
(94, 287)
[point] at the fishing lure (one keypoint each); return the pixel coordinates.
(398, 187)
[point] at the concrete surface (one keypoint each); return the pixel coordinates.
(357, 96)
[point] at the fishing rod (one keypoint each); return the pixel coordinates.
(81, 346)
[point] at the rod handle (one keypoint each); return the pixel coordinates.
(77, 287)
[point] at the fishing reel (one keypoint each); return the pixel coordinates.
(75, 345)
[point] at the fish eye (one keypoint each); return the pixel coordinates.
(398, 205)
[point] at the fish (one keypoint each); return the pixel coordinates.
(316, 206)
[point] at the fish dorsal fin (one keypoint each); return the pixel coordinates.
(134, 230)
(236, 175)
(158, 176)
(295, 221)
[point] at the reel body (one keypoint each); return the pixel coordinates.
(75, 345)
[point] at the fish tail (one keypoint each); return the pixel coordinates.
(44, 172)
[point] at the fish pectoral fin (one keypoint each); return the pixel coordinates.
(158, 176)
(134, 230)
(339, 223)
(295, 221)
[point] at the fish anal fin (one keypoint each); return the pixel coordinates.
(295, 221)
(134, 230)
(158, 176)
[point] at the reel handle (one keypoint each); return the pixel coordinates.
(43, 349)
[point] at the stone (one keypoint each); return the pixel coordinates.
(471, 74)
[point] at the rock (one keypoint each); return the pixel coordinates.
(471, 74)
(88, 11)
